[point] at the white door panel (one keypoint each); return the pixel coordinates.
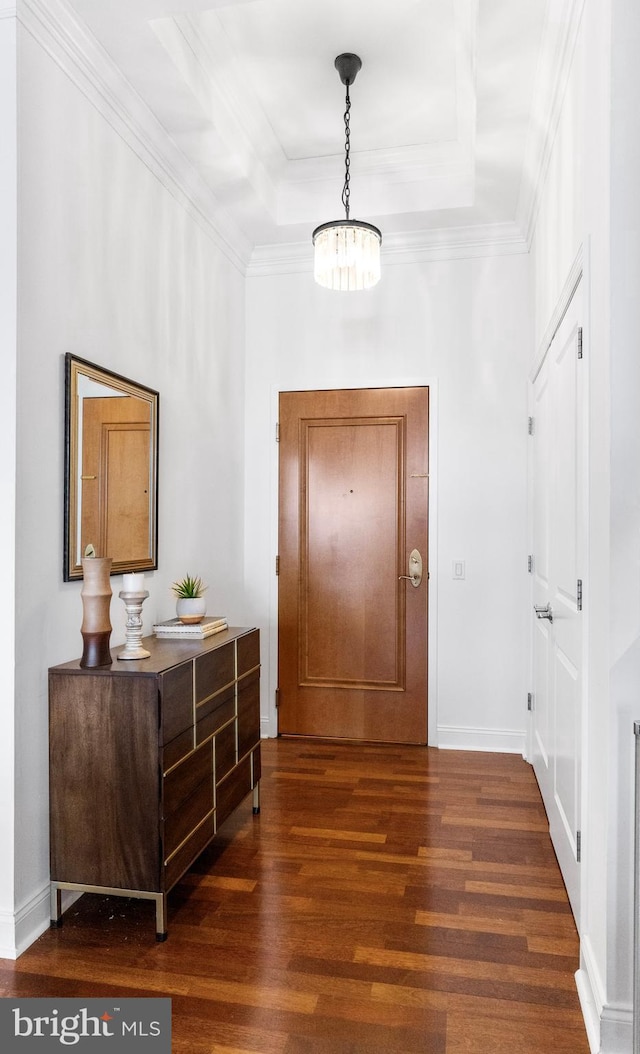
(541, 697)
(568, 720)
(558, 556)
(541, 454)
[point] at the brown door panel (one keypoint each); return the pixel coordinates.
(353, 504)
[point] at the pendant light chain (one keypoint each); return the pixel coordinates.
(347, 158)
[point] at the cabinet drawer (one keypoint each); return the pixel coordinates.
(215, 712)
(176, 695)
(187, 853)
(182, 781)
(214, 671)
(248, 713)
(215, 720)
(181, 823)
(233, 790)
(225, 751)
(248, 651)
(177, 749)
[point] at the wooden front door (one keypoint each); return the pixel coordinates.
(353, 506)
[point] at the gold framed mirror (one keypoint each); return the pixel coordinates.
(111, 469)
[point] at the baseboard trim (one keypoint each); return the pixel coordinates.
(491, 740)
(8, 948)
(609, 1026)
(589, 1009)
(20, 930)
(616, 1030)
(267, 731)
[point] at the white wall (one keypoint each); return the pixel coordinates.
(599, 918)
(464, 327)
(8, 336)
(114, 269)
(625, 477)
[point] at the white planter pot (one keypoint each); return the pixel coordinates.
(191, 609)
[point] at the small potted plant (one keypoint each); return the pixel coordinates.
(190, 604)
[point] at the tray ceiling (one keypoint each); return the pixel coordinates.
(447, 119)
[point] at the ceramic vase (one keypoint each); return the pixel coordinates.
(96, 603)
(191, 609)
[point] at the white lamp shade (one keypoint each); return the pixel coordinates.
(347, 255)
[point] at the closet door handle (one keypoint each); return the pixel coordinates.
(543, 612)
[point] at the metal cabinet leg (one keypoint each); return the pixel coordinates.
(56, 905)
(161, 916)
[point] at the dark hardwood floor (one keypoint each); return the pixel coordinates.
(386, 899)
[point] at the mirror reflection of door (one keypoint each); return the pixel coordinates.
(353, 506)
(115, 477)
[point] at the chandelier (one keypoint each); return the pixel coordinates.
(347, 252)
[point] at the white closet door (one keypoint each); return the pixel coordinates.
(558, 473)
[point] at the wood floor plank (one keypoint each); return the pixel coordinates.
(472, 969)
(469, 924)
(250, 995)
(337, 835)
(477, 1036)
(397, 900)
(522, 892)
(478, 818)
(552, 945)
(474, 1006)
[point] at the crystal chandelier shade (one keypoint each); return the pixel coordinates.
(347, 255)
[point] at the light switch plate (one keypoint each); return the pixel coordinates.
(458, 570)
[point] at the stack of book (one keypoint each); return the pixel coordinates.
(174, 628)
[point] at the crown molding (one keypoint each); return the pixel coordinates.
(560, 35)
(457, 243)
(75, 50)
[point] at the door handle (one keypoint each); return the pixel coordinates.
(415, 569)
(543, 612)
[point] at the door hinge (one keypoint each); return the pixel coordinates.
(578, 846)
(277, 695)
(529, 701)
(277, 431)
(530, 426)
(277, 565)
(579, 342)
(530, 564)
(579, 595)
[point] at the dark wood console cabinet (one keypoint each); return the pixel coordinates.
(148, 757)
